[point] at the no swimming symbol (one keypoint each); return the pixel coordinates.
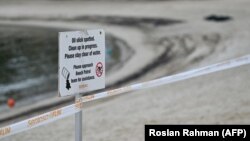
(99, 69)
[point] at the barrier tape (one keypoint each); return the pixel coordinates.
(77, 106)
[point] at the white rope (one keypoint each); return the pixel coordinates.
(77, 106)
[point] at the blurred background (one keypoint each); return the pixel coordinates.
(145, 40)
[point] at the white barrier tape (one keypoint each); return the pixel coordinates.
(173, 78)
(76, 107)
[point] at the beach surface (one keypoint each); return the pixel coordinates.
(167, 37)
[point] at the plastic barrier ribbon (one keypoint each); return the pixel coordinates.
(77, 106)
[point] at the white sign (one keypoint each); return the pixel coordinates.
(81, 61)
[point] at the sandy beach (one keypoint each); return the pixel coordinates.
(167, 37)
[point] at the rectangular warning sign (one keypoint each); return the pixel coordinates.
(81, 61)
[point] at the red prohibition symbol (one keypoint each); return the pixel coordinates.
(99, 69)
